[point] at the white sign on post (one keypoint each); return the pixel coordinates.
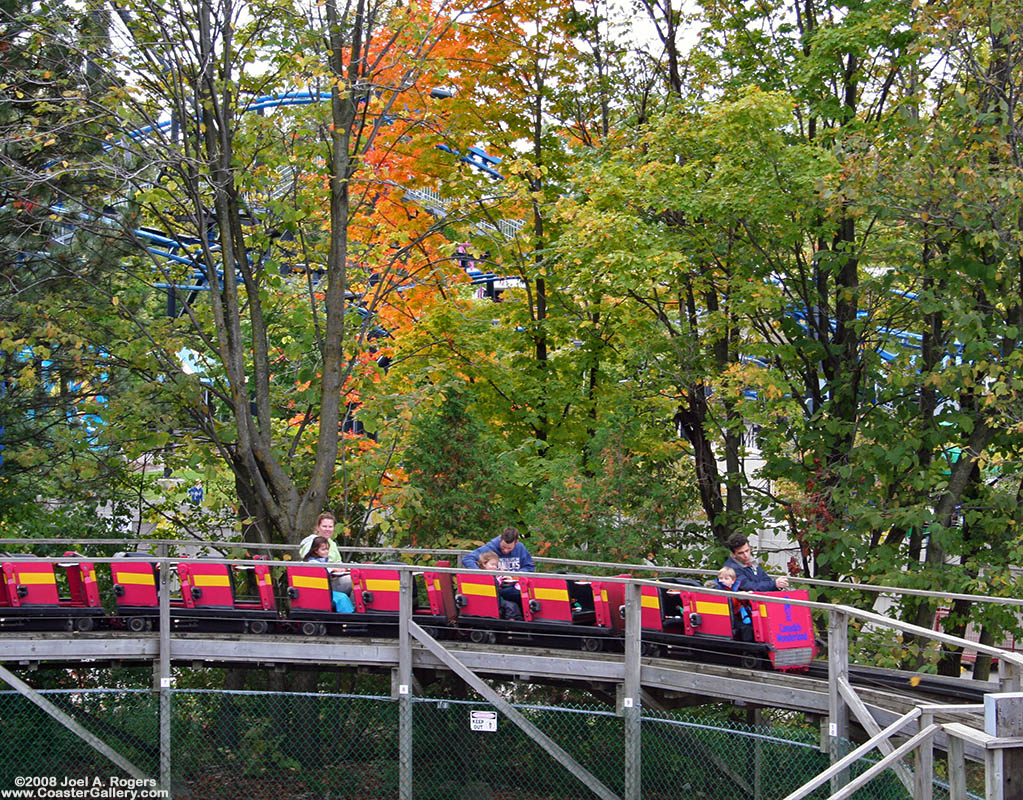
(483, 721)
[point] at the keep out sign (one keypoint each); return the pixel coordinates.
(483, 721)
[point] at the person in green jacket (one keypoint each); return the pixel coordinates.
(325, 524)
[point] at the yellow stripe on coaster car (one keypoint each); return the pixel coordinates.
(266, 579)
(553, 594)
(763, 609)
(35, 578)
(137, 578)
(603, 595)
(382, 585)
(308, 582)
(713, 609)
(222, 581)
(479, 589)
(651, 601)
(436, 584)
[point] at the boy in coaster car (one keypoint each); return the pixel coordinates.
(741, 620)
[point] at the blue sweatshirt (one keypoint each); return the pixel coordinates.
(751, 579)
(518, 560)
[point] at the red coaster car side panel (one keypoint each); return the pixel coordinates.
(29, 584)
(30, 596)
(706, 614)
(786, 629)
(309, 590)
(376, 590)
(205, 586)
(135, 583)
(545, 599)
(477, 595)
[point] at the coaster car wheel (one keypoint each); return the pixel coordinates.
(650, 649)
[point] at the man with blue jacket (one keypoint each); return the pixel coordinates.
(749, 575)
(512, 556)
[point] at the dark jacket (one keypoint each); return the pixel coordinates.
(751, 579)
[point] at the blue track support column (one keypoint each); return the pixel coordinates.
(405, 687)
(631, 708)
(838, 672)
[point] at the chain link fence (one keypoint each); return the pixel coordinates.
(243, 745)
(35, 745)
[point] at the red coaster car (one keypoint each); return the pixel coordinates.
(787, 630)
(682, 619)
(207, 600)
(30, 596)
(549, 607)
(375, 597)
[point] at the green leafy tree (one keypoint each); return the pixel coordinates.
(55, 373)
(453, 476)
(262, 213)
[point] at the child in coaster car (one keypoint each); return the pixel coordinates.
(741, 620)
(319, 551)
(507, 608)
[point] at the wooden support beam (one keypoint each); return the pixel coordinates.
(899, 752)
(866, 719)
(849, 759)
(553, 748)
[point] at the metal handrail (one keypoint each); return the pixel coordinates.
(1012, 662)
(428, 551)
(1006, 656)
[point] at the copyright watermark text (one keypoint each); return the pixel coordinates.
(54, 787)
